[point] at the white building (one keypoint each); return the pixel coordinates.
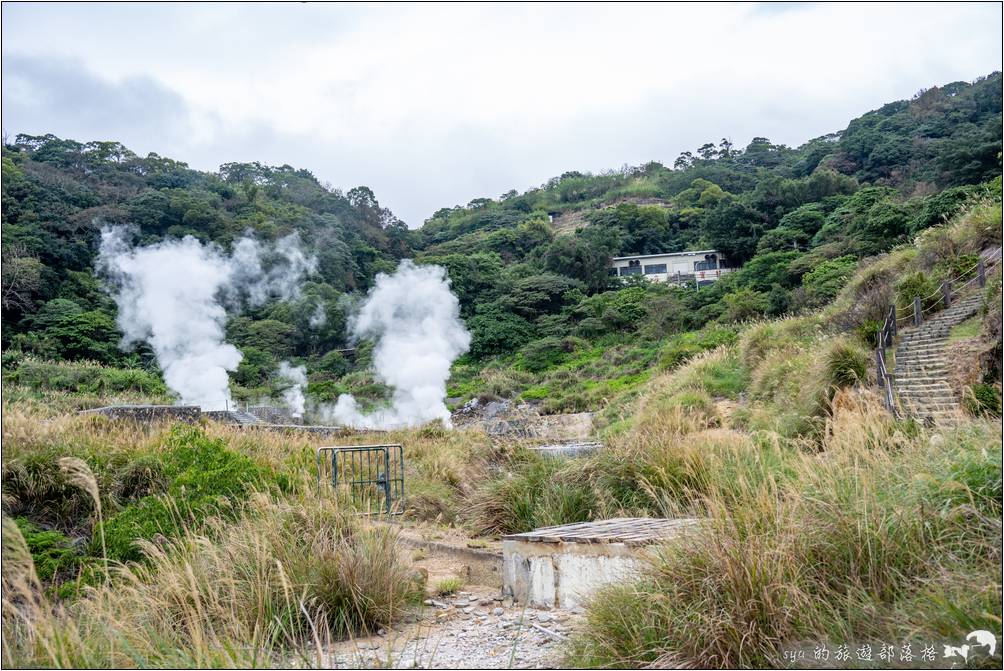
(704, 267)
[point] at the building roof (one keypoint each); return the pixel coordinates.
(652, 256)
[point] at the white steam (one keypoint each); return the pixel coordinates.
(416, 319)
(319, 317)
(171, 295)
(296, 376)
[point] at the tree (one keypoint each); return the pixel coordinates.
(733, 228)
(539, 294)
(85, 335)
(577, 258)
(745, 304)
(496, 330)
(20, 278)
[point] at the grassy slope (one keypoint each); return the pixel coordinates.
(826, 517)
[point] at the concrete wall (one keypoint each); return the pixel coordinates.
(565, 575)
(149, 413)
(270, 414)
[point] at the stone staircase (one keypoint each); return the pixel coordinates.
(920, 379)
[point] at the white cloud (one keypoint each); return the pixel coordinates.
(432, 105)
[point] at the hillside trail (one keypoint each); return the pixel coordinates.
(474, 628)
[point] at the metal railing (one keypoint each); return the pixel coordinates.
(371, 475)
(886, 335)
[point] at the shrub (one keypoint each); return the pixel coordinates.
(983, 399)
(545, 353)
(205, 478)
(824, 282)
(684, 346)
(916, 285)
(143, 476)
(283, 581)
(745, 304)
(532, 492)
(85, 377)
(54, 554)
(861, 542)
(846, 364)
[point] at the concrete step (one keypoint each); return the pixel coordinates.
(904, 380)
(935, 352)
(921, 364)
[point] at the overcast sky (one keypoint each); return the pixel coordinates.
(434, 105)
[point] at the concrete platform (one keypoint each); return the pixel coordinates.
(562, 566)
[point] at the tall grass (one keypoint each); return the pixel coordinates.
(862, 541)
(276, 585)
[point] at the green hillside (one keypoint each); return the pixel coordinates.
(529, 269)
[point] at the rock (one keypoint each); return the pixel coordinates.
(498, 611)
(579, 610)
(485, 602)
(461, 603)
(544, 617)
(507, 602)
(468, 610)
(429, 602)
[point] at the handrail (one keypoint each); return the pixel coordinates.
(885, 379)
(983, 266)
(887, 332)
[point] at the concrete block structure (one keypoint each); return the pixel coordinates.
(146, 414)
(563, 566)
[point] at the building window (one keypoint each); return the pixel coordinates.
(655, 268)
(705, 265)
(612, 272)
(631, 270)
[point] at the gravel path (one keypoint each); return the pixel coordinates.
(473, 630)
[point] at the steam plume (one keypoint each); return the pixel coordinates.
(319, 317)
(416, 319)
(171, 295)
(293, 395)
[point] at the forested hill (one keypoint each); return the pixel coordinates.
(528, 268)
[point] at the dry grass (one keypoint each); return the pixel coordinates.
(273, 587)
(855, 542)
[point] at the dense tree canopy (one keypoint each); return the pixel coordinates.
(525, 266)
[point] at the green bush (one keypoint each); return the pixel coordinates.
(916, 285)
(983, 399)
(684, 346)
(846, 364)
(824, 282)
(535, 492)
(85, 377)
(205, 478)
(546, 353)
(53, 552)
(143, 476)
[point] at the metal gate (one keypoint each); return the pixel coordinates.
(372, 476)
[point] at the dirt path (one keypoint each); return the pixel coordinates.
(476, 629)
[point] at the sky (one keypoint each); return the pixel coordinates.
(434, 105)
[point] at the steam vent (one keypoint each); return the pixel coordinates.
(561, 567)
